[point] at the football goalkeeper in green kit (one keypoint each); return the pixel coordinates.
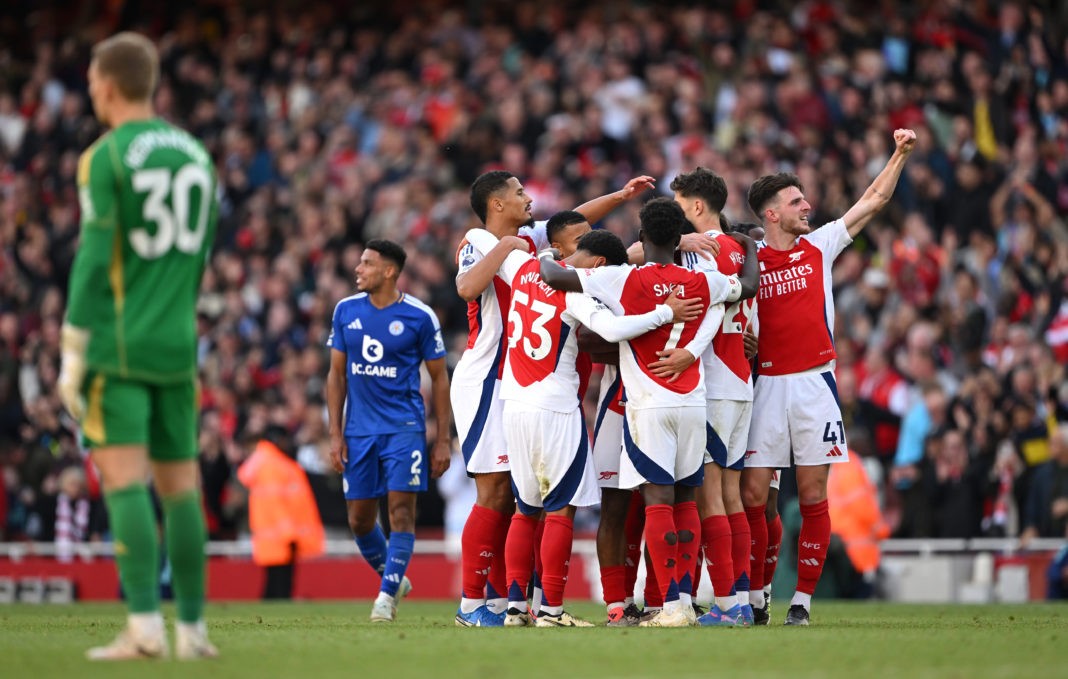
(147, 192)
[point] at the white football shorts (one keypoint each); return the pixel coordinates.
(477, 411)
(799, 414)
(608, 446)
(664, 446)
(552, 466)
(728, 433)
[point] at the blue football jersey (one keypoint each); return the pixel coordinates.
(383, 350)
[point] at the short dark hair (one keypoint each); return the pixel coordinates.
(601, 243)
(131, 61)
(662, 221)
(560, 221)
(764, 189)
(389, 250)
(704, 184)
(487, 184)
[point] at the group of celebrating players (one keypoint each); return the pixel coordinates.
(690, 430)
(684, 450)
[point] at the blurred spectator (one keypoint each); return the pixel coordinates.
(954, 489)
(857, 520)
(330, 125)
(75, 513)
(1047, 501)
(284, 520)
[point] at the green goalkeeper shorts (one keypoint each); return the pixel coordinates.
(123, 412)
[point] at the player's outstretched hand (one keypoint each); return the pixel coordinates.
(684, 309)
(749, 341)
(440, 458)
(905, 141)
(671, 364)
(701, 243)
(637, 186)
(339, 453)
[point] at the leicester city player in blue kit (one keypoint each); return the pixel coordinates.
(379, 338)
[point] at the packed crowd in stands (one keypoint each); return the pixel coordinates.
(331, 127)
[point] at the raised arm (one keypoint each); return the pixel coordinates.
(878, 194)
(556, 276)
(595, 210)
(473, 282)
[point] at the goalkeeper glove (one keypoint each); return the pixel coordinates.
(73, 343)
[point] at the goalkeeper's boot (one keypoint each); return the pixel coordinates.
(191, 642)
(797, 615)
(143, 638)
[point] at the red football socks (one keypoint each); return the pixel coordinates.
(688, 530)
(519, 555)
(758, 531)
(556, 558)
(812, 545)
(740, 544)
(771, 559)
(477, 545)
(662, 541)
(716, 532)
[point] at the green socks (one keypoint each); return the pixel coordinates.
(133, 526)
(185, 534)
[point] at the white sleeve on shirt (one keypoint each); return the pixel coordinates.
(468, 257)
(483, 241)
(710, 325)
(722, 288)
(831, 239)
(538, 233)
(600, 319)
(606, 283)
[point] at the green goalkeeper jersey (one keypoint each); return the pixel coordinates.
(148, 200)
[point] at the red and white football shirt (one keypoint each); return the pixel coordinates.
(728, 374)
(542, 346)
(485, 351)
(795, 312)
(630, 289)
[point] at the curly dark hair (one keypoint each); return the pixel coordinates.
(662, 221)
(605, 244)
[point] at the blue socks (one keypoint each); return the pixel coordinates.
(373, 548)
(398, 554)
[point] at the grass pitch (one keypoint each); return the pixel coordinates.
(319, 640)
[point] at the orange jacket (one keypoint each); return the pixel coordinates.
(855, 517)
(281, 507)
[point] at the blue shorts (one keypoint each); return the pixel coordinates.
(386, 462)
